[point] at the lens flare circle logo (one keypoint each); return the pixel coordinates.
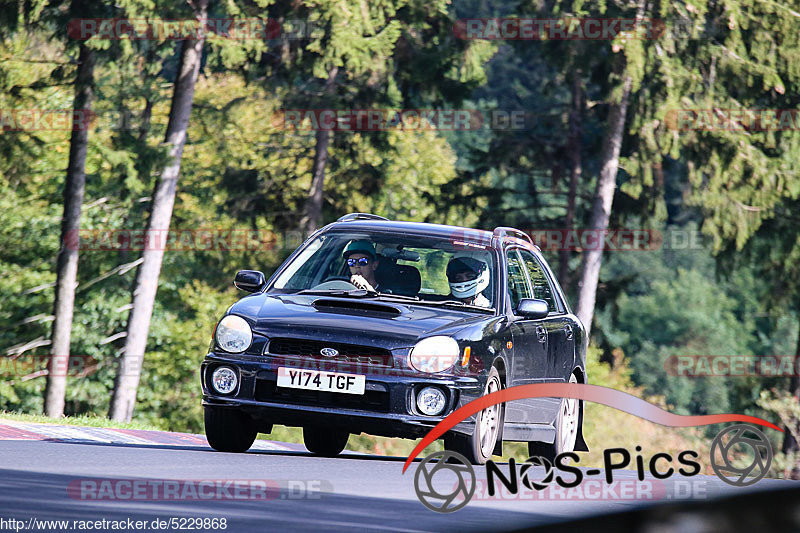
(736, 437)
(548, 473)
(458, 494)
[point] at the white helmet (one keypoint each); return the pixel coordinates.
(479, 276)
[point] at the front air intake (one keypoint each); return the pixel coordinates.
(356, 306)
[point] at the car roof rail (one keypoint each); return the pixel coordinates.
(505, 231)
(360, 216)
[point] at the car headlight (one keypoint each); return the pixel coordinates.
(234, 334)
(434, 354)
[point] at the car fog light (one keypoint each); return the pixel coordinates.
(224, 380)
(431, 401)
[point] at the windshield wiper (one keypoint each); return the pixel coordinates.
(363, 293)
(358, 293)
(455, 303)
(395, 296)
(329, 292)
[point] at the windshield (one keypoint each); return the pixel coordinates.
(379, 264)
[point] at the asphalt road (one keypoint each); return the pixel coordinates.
(69, 479)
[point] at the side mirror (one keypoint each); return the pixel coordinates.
(249, 280)
(532, 308)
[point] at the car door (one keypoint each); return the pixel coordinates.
(530, 347)
(559, 324)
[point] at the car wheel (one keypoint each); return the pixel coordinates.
(324, 441)
(566, 429)
(229, 430)
(479, 446)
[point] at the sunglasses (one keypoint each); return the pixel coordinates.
(361, 261)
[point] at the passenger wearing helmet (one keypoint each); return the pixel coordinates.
(467, 278)
(362, 260)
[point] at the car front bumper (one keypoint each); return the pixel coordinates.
(387, 407)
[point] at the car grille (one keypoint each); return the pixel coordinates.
(348, 353)
(268, 391)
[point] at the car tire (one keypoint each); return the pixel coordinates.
(324, 441)
(229, 430)
(566, 425)
(478, 447)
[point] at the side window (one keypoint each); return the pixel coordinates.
(541, 285)
(517, 284)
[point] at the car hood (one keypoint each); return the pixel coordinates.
(392, 324)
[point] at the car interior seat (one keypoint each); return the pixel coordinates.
(398, 279)
(407, 281)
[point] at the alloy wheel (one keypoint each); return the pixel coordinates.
(568, 421)
(489, 420)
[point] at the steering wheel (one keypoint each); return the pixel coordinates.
(337, 283)
(337, 278)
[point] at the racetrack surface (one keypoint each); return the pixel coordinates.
(43, 467)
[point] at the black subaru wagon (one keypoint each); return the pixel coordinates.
(387, 327)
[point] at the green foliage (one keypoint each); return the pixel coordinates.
(81, 421)
(785, 406)
(170, 398)
(684, 315)
(734, 55)
(670, 302)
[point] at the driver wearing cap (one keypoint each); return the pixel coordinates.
(362, 260)
(467, 278)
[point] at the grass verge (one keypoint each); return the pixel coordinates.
(82, 421)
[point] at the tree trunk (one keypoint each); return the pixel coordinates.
(67, 264)
(601, 208)
(604, 194)
(313, 208)
(789, 443)
(574, 147)
(129, 370)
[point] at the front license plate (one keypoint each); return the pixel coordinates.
(322, 381)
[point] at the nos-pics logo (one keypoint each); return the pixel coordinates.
(445, 481)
